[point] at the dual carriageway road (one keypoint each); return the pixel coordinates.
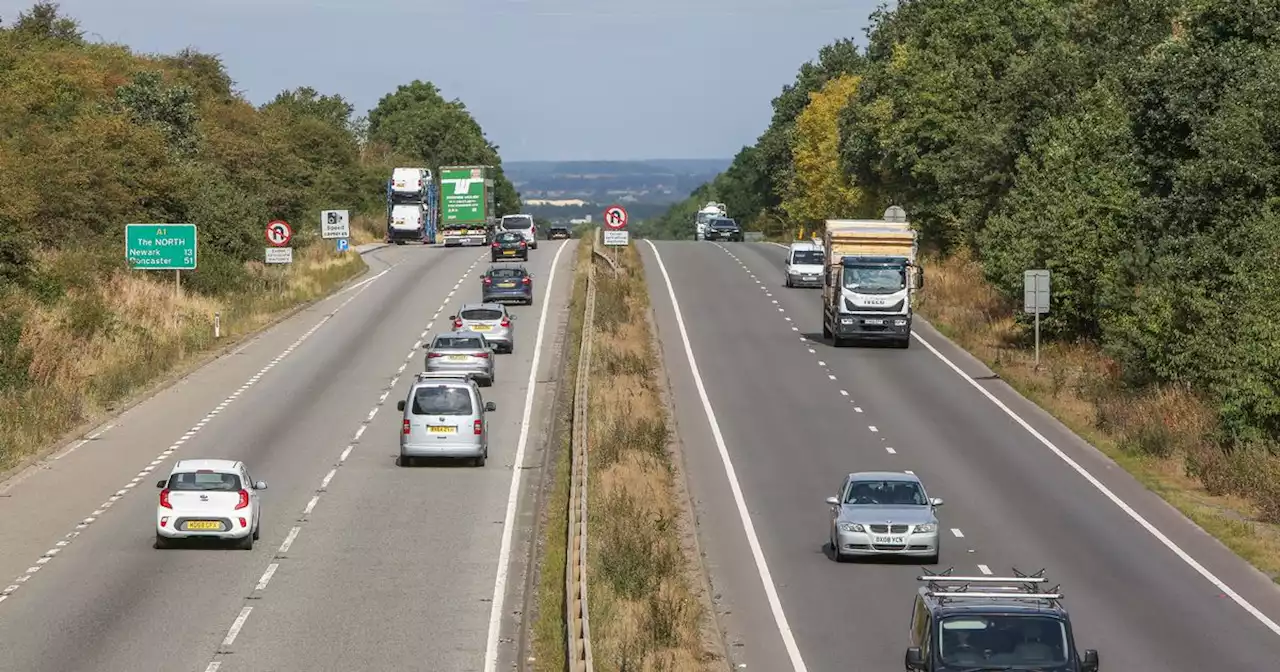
(363, 565)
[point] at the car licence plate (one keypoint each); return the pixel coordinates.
(873, 321)
(203, 525)
(506, 284)
(481, 327)
(457, 358)
(880, 539)
(509, 253)
(442, 429)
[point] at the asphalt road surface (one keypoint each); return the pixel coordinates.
(362, 565)
(792, 415)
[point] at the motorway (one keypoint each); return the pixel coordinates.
(778, 415)
(362, 565)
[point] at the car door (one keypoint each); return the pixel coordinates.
(835, 509)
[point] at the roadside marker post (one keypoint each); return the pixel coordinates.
(1035, 299)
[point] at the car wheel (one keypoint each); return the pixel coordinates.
(161, 542)
(932, 559)
(478, 461)
(405, 461)
(399, 242)
(257, 531)
(787, 282)
(245, 544)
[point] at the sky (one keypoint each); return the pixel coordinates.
(547, 79)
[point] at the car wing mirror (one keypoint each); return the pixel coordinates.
(915, 659)
(400, 405)
(260, 485)
(453, 317)
(490, 406)
(161, 484)
(1089, 661)
(936, 501)
(833, 501)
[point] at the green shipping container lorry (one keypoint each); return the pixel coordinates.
(466, 205)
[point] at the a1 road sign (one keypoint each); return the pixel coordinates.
(615, 217)
(278, 233)
(160, 247)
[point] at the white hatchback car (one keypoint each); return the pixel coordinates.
(212, 499)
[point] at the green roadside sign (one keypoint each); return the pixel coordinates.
(462, 195)
(160, 247)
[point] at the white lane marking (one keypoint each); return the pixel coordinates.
(985, 570)
(289, 539)
(328, 477)
(956, 531)
(311, 505)
(762, 566)
(844, 393)
(812, 351)
(872, 428)
(890, 450)
(1106, 492)
(236, 626)
(346, 453)
(360, 432)
(166, 453)
(266, 576)
(857, 409)
(831, 376)
(213, 667)
(517, 471)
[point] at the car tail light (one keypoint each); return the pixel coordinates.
(457, 324)
(405, 428)
(505, 322)
(477, 427)
(496, 245)
(432, 355)
(244, 523)
(488, 281)
(244, 500)
(527, 281)
(482, 355)
(164, 499)
(523, 244)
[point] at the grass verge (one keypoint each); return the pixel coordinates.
(548, 636)
(1162, 436)
(112, 334)
(645, 613)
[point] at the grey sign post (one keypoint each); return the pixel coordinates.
(1035, 299)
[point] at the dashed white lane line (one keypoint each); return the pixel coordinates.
(956, 531)
(292, 537)
(213, 667)
(166, 453)
(831, 376)
(498, 608)
(857, 409)
(844, 393)
(872, 428)
(744, 514)
(986, 571)
(890, 450)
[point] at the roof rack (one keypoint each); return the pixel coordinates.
(437, 375)
(946, 586)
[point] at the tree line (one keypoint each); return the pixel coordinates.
(1130, 147)
(94, 136)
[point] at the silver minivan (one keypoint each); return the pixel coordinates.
(444, 417)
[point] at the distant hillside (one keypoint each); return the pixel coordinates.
(554, 189)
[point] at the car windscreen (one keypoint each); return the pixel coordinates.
(457, 343)
(442, 400)
(807, 257)
(724, 224)
(481, 314)
(509, 237)
(997, 641)
(506, 273)
(517, 223)
(885, 493)
(205, 480)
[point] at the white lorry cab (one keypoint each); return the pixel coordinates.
(805, 265)
(407, 222)
(410, 185)
(708, 212)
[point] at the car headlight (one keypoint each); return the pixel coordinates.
(927, 527)
(852, 527)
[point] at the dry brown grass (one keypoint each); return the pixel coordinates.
(645, 615)
(367, 229)
(109, 339)
(1161, 436)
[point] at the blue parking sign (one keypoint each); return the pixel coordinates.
(343, 245)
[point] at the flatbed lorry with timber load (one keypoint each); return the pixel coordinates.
(871, 280)
(466, 205)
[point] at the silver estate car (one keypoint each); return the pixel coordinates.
(444, 417)
(884, 513)
(490, 319)
(465, 353)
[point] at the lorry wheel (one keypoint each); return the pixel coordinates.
(399, 242)
(904, 343)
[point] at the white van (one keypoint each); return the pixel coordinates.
(523, 225)
(805, 265)
(407, 222)
(409, 185)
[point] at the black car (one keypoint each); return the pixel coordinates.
(509, 245)
(507, 283)
(723, 229)
(558, 231)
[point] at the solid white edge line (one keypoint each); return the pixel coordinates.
(517, 472)
(762, 567)
(1106, 492)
